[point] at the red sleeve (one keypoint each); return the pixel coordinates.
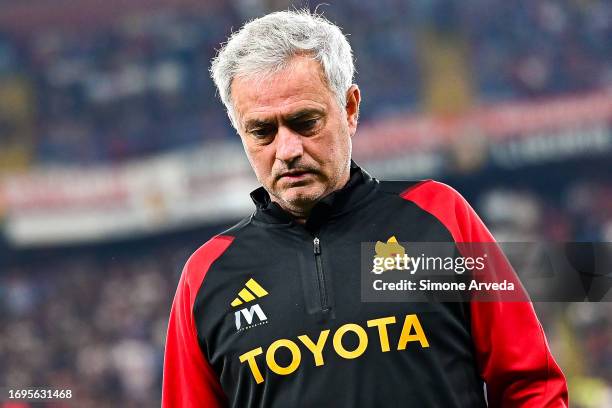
(189, 380)
(511, 350)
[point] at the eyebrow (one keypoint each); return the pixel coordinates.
(256, 123)
(303, 112)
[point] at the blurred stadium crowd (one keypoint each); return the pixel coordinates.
(92, 318)
(139, 85)
(90, 323)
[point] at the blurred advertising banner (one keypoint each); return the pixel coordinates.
(61, 205)
(507, 135)
(210, 184)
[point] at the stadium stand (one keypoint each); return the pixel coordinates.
(138, 85)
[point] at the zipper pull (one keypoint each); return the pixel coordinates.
(317, 246)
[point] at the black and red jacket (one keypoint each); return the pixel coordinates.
(269, 314)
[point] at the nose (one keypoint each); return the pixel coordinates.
(289, 145)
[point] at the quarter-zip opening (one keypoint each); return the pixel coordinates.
(320, 276)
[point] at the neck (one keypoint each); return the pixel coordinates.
(299, 214)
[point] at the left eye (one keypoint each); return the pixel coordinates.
(306, 124)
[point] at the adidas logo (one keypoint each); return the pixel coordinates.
(246, 295)
(250, 292)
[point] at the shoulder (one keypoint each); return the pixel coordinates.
(205, 255)
(212, 249)
(432, 193)
(202, 259)
(421, 191)
(447, 205)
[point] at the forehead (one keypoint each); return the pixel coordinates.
(300, 85)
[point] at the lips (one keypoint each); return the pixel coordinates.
(295, 175)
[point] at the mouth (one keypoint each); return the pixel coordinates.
(295, 175)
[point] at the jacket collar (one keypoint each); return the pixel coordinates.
(357, 189)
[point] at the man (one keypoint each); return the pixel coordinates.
(269, 313)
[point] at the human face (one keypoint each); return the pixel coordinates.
(296, 137)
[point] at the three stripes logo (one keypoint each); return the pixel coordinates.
(250, 292)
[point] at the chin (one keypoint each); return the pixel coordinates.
(302, 197)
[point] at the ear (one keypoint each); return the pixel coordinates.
(353, 98)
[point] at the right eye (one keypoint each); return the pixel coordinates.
(262, 132)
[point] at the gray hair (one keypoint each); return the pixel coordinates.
(266, 45)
